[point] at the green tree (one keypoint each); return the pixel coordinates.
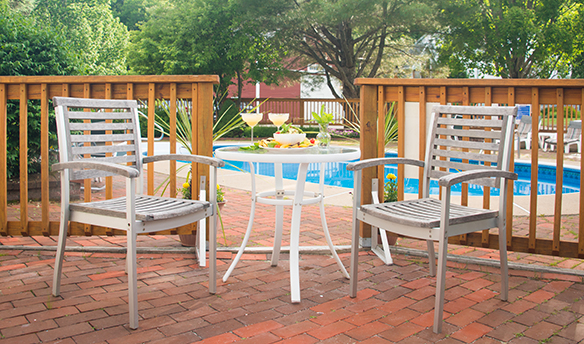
(22, 6)
(132, 12)
(27, 49)
(204, 37)
(511, 39)
(99, 39)
(578, 60)
(347, 38)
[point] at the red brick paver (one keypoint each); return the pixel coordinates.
(394, 303)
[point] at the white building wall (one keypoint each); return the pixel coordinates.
(313, 86)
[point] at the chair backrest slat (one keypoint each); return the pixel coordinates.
(464, 138)
(524, 126)
(101, 138)
(448, 142)
(97, 150)
(478, 156)
(102, 129)
(121, 115)
(574, 130)
(464, 133)
(100, 126)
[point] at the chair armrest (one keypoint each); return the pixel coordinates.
(126, 171)
(456, 178)
(186, 157)
(359, 165)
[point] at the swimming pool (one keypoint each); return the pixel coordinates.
(336, 174)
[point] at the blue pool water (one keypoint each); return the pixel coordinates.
(336, 174)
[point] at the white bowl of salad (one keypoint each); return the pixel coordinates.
(289, 135)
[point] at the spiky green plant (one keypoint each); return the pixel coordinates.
(390, 122)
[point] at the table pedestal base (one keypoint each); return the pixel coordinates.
(279, 202)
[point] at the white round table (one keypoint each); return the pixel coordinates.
(303, 157)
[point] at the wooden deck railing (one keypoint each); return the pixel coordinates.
(198, 89)
(557, 101)
(301, 110)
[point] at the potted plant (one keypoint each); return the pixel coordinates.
(190, 240)
(390, 195)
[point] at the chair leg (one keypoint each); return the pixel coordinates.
(132, 279)
(440, 284)
(354, 269)
(431, 257)
(385, 243)
(503, 262)
(213, 252)
(60, 255)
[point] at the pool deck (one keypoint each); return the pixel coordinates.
(341, 196)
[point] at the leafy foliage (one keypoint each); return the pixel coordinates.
(511, 39)
(347, 38)
(390, 130)
(323, 117)
(204, 37)
(27, 49)
(131, 12)
(99, 40)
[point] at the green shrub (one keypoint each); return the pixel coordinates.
(27, 48)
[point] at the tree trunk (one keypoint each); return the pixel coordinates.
(239, 89)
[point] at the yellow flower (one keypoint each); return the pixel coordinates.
(186, 185)
(391, 176)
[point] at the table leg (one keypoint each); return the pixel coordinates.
(249, 225)
(295, 233)
(325, 226)
(279, 214)
(330, 242)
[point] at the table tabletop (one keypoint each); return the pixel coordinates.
(289, 155)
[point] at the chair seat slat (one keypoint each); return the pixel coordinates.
(425, 212)
(148, 208)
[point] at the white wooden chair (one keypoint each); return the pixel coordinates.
(87, 150)
(487, 139)
(523, 133)
(571, 138)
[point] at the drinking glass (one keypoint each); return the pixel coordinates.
(278, 119)
(252, 119)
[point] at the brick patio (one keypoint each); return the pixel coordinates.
(394, 304)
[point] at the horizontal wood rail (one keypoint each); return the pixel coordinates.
(557, 101)
(22, 89)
